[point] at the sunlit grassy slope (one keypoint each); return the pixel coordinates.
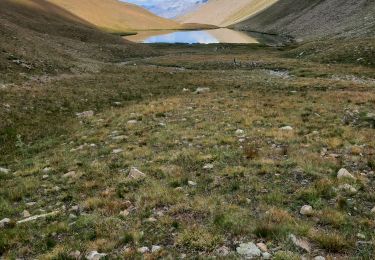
(115, 16)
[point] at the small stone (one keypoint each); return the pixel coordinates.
(348, 188)
(94, 255)
(373, 210)
(239, 132)
(75, 208)
(151, 220)
(319, 257)
(202, 90)
(124, 213)
(301, 243)
(30, 204)
(4, 222)
(70, 174)
(266, 255)
(248, 250)
(286, 128)
(116, 151)
(72, 216)
(208, 166)
(136, 174)
(185, 90)
(155, 249)
(75, 254)
(143, 250)
(119, 138)
(191, 183)
(345, 174)
(85, 114)
(4, 170)
(132, 122)
(262, 247)
(306, 210)
(46, 170)
(26, 214)
(222, 251)
(46, 176)
(361, 236)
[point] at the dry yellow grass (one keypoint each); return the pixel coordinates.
(225, 13)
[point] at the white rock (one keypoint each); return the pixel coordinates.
(319, 257)
(191, 183)
(84, 114)
(119, 138)
(262, 247)
(30, 204)
(202, 90)
(361, 236)
(4, 222)
(286, 128)
(136, 174)
(124, 213)
(143, 250)
(239, 132)
(116, 151)
(132, 122)
(26, 214)
(373, 210)
(266, 255)
(248, 250)
(4, 170)
(75, 255)
(208, 166)
(46, 170)
(45, 176)
(185, 90)
(306, 210)
(94, 255)
(155, 249)
(345, 174)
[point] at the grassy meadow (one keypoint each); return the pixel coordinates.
(265, 134)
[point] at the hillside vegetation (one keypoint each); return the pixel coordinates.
(224, 13)
(115, 16)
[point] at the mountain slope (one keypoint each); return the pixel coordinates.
(315, 18)
(39, 37)
(115, 16)
(224, 12)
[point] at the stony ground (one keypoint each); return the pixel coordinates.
(224, 151)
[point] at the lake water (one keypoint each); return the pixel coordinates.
(222, 35)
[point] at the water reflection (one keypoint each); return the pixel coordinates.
(222, 35)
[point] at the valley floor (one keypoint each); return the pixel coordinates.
(232, 141)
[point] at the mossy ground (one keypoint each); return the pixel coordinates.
(261, 176)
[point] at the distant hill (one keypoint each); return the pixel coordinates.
(115, 16)
(38, 36)
(224, 13)
(315, 18)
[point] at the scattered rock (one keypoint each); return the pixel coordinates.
(222, 251)
(4, 170)
(266, 255)
(4, 222)
(124, 213)
(132, 122)
(301, 243)
(239, 132)
(306, 210)
(345, 174)
(286, 128)
(85, 114)
(26, 214)
(155, 249)
(71, 174)
(94, 255)
(116, 151)
(202, 90)
(208, 166)
(191, 183)
(348, 188)
(75, 254)
(248, 250)
(136, 174)
(262, 247)
(54, 213)
(143, 250)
